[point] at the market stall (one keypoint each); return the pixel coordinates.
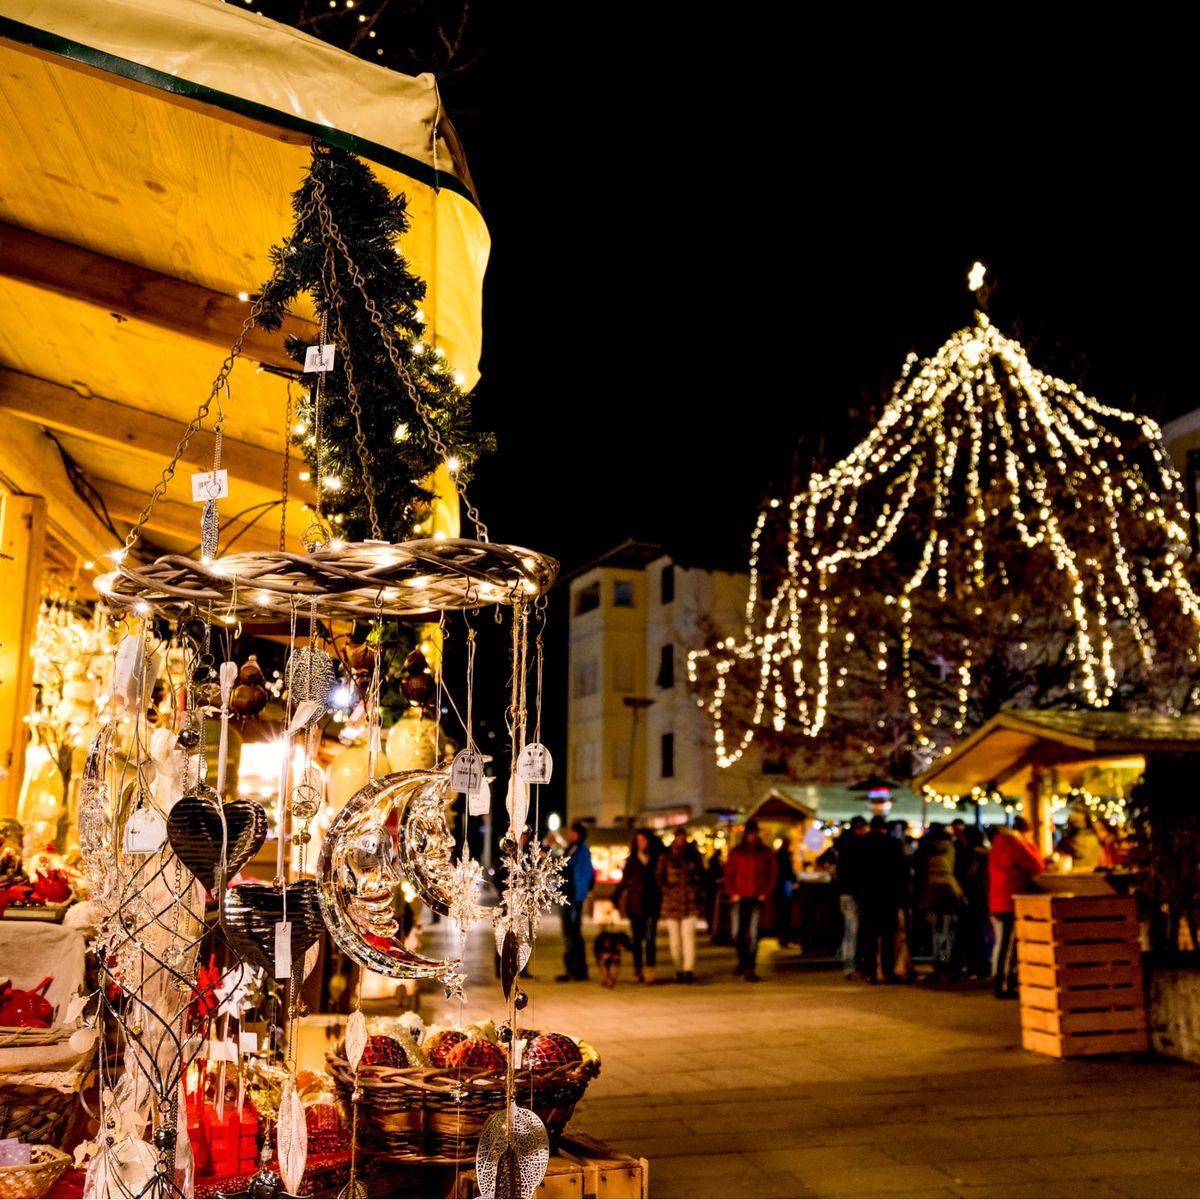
(245, 271)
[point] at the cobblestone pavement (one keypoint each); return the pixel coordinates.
(809, 1085)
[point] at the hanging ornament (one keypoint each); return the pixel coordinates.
(254, 910)
(513, 1154)
(310, 676)
(417, 681)
(249, 695)
(199, 825)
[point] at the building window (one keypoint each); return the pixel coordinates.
(622, 593)
(587, 598)
(587, 681)
(621, 759)
(666, 667)
(585, 762)
(775, 766)
(668, 583)
(668, 755)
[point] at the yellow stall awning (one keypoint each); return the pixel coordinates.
(150, 150)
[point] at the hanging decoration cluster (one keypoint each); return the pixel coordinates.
(158, 827)
(999, 536)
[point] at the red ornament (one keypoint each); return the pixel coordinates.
(383, 1051)
(477, 1054)
(29, 1009)
(550, 1050)
(439, 1046)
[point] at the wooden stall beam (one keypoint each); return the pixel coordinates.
(107, 423)
(182, 521)
(137, 293)
(30, 462)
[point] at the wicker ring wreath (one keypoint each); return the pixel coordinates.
(352, 580)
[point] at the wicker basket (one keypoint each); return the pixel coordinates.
(46, 1164)
(34, 1113)
(412, 1112)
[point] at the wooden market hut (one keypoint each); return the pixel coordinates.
(150, 150)
(1017, 753)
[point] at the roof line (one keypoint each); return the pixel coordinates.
(110, 64)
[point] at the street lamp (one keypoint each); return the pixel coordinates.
(637, 703)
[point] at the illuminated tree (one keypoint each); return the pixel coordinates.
(998, 540)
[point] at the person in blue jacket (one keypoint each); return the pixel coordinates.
(578, 877)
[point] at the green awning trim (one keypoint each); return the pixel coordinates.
(40, 39)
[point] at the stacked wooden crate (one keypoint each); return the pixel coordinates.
(1080, 969)
(580, 1169)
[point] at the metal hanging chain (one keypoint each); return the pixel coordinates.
(360, 440)
(222, 379)
(287, 463)
(389, 340)
(318, 432)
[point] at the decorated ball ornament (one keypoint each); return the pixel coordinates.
(475, 1054)
(439, 1046)
(383, 1051)
(550, 1050)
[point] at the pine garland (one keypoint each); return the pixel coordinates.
(399, 454)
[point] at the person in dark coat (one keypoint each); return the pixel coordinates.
(882, 886)
(639, 899)
(785, 886)
(848, 868)
(578, 878)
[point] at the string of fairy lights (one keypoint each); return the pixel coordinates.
(974, 444)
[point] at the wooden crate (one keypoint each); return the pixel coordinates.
(1080, 971)
(581, 1169)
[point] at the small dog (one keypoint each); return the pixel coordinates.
(608, 947)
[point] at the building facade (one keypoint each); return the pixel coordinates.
(639, 748)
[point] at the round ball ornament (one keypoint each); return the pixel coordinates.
(550, 1050)
(475, 1054)
(438, 1047)
(383, 1051)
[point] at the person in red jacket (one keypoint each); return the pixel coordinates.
(750, 877)
(1012, 864)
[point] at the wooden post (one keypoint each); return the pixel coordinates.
(22, 540)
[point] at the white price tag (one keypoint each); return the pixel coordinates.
(319, 358)
(145, 832)
(466, 771)
(210, 485)
(534, 765)
(248, 1042)
(283, 950)
(479, 800)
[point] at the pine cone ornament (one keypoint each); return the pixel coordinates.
(550, 1050)
(475, 1054)
(438, 1047)
(383, 1051)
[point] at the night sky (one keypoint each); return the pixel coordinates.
(708, 268)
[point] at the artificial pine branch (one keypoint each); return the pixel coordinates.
(372, 222)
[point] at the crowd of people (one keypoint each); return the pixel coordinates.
(950, 892)
(946, 896)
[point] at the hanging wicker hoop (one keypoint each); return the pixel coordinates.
(350, 580)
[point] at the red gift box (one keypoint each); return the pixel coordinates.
(324, 1125)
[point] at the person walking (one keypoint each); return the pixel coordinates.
(679, 874)
(848, 873)
(639, 899)
(1013, 863)
(941, 897)
(578, 878)
(749, 879)
(881, 885)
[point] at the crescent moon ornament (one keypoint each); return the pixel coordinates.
(362, 870)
